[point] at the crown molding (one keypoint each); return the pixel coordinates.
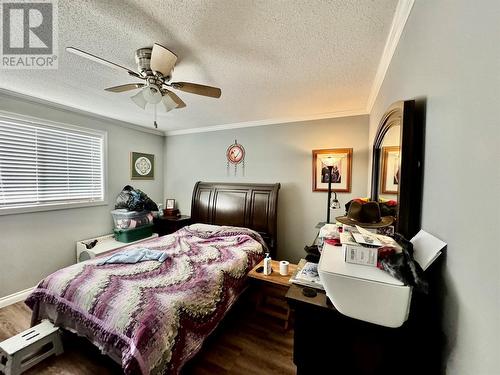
(401, 14)
(403, 10)
(61, 107)
(274, 121)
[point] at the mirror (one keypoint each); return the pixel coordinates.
(390, 148)
(397, 165)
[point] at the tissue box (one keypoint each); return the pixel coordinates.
(366, 256)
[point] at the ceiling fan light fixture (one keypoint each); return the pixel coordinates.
(152, 94)
(169, 103)
(139, 99)
(154, 66)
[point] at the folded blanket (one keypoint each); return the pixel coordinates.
(135, 256)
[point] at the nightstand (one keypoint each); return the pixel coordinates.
(165, 225)
(271, 290)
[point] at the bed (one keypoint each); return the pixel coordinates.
(152, 317)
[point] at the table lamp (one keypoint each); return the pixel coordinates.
(329, 162)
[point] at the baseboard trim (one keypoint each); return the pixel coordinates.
(15, 297)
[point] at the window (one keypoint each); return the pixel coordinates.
(46, 166)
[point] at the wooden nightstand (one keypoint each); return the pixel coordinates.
(272, 290)
(164, 225)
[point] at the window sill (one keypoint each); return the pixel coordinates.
(50, 207)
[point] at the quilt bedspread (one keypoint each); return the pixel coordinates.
(154, 315)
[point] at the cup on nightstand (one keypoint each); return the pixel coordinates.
(284, 267)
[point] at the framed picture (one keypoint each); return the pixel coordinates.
(170, 205)
(142, 166)
(390, 170)
(341, 171)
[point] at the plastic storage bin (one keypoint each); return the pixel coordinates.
(131, 235)
(131, 219)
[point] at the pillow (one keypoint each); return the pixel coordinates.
(200, 227)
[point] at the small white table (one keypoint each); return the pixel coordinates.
(104, 244)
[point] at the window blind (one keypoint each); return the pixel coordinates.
(41, 165)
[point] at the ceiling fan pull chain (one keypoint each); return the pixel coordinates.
(155, 66)
(155, 123)
(243, 168)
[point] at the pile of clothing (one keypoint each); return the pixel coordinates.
(134, 200)
(379, 215)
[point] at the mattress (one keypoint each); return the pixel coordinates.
(152, 317)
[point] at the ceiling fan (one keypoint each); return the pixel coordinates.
(155, 66)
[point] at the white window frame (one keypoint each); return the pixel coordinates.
(13, 117)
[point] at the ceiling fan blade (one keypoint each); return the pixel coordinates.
(194, 88)
(172, 101)
(168, 103)
(176, 99)
(162, 60)
(100, 60)
(127, 87)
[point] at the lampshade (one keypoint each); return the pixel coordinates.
(329, 161)
(334, 202)
(168, 103)
(139, 100)
(152, 94)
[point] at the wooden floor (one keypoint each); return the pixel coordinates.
(246, 342)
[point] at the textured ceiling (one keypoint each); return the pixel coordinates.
(271, 58)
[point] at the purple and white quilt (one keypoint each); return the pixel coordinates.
(153, 316)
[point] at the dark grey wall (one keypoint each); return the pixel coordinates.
(449, 59)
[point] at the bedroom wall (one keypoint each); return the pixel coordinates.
(275, 153)
(32, 245)
(448, 59)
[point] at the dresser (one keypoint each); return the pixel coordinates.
(164, 225)
(327, 342)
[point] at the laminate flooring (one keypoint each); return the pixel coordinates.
(246, 342)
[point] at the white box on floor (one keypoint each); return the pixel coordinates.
(24, 350)
(364, 293)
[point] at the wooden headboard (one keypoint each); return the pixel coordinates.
(251, 206)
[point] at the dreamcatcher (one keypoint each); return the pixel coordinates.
(235, 155)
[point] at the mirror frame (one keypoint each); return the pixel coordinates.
(402, 113)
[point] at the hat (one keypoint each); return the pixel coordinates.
(365, 215)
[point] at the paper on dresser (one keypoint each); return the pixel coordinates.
(369, 238)
(328, 231)
(365, 237)
(426, 248)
